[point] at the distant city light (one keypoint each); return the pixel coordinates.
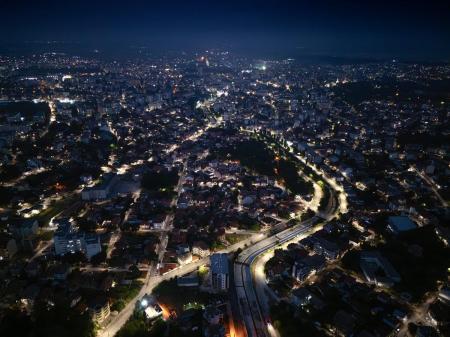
(66, 101)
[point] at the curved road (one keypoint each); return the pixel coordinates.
(253, 300)
(255, 320)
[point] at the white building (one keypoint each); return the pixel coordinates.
(201, 249)
(66, 239)
(69, 240)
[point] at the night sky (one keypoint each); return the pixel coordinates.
(379, 28)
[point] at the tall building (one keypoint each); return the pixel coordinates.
(91, 245)
(67, 239)
(219, 272)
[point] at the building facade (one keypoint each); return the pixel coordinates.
(219, 272)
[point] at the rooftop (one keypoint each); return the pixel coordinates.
(401, 223)
(219, 263)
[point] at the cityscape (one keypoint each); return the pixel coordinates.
(223, 189)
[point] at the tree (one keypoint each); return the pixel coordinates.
(61, 320)
(15, 323)
(10, 172)
(74, 258)
(118, 306)
(86, 225)
(49, 321)
(135, 272)
(163, 179)
(6, 195)
(135, 327)
(98, 258)
(153, 256)
(307, 215)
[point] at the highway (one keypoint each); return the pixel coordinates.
(153, 280)
(255, 321)
(252, 289)
(264, 293)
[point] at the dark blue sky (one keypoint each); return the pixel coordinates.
(414, 28)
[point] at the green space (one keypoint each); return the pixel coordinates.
(307, 215)
(137, 326)
(246, 222)
(161, 180)
(235, 238)
(283, 147)
(47, 321)
(9, 172)
(122, 294)
(217, 245)
(419, 257)
(176, 298)
(54, 209)
(67, 175)
(26, 108)
(202, 272)
(288, 322)
(270, 161)
(188, 304)
(282, 286)
(392, 89)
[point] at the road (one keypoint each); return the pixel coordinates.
(153, 278)
(250, 282)
(419, 315)
(45, 246)
(254, 319)
(251, 289)
(115, 237)
(434, 187)
(41, 250)
(332, 183)
(152, 281)
(264, 293)
(260, 243)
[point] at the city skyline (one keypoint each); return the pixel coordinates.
(224, 169)
(406, 29)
